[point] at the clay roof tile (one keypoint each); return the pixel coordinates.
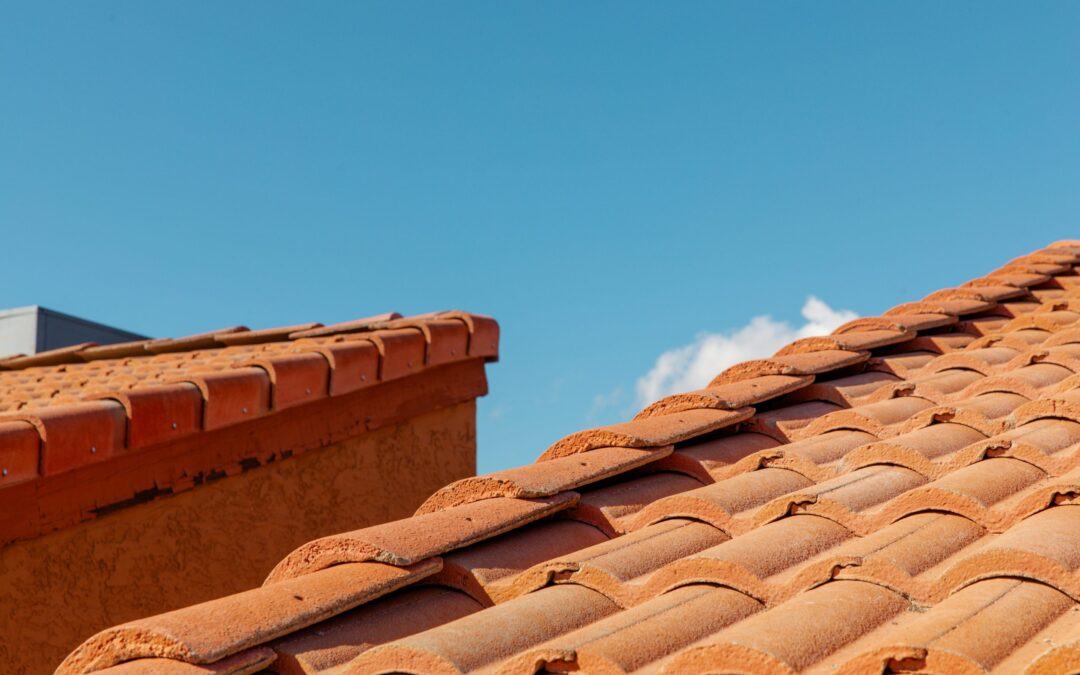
(903, 494)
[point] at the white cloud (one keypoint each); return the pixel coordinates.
(692, 366)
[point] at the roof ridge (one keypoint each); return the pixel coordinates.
(242, 335)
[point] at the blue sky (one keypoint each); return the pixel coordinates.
(612, 181)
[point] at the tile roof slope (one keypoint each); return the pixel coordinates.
(68, 408)
(901, 495)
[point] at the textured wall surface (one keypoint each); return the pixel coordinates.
(219, 538)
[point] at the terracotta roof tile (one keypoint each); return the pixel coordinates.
(783, 423)
(543, 479)
(19, 451)
(817, 457)
(987, 291)
(447, 339)
(949, 307)
(907, 323)
(903, 495)
(798, 363)
(207, 340)
(231, 396)
(946, 386)
(483, 332)
(52, 357)
(263, 335)
(241, 663)
(404, 542)
(903, 365)
(1015, 279)
(649, 432)
(295, 378)
(354, 326)
(882, 418)
(77, 434)
(639, 636)
(727, 504)
(864, 387)
(730, 396)
(975, 630)
(347, 635)
(210, 631)
(158, 413)
(612, 508)
(1050, 444)
(855, 342)
(932, 450)
(758, 564)
(618, 568)
(353, 365)
(796, 636)
(483, 639)
(490, 570)
(728, 455)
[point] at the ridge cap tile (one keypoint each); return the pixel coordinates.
(51, 357)
(77, 433)
(263, 335)
(20, 452)
(296, 378)
(356, 325)
(116, 351)
(483, 332)
(159, 411)
(190, 342)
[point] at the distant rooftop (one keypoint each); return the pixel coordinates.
(33, 329)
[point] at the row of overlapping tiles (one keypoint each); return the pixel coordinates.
(879, 483)
(67, 408)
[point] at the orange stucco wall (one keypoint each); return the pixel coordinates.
(219, 538)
